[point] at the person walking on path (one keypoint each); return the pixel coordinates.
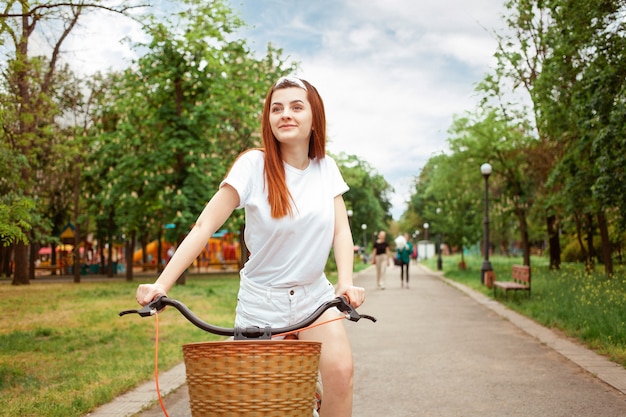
(404, 250)
(381, 257)
(292, 195)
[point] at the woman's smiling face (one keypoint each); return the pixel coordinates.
(290, 116)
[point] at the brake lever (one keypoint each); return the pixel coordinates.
(345, 307)
(149, 309)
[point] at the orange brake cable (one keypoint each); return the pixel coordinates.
(156, 365)
(344, 317)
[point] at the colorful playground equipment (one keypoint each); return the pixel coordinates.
(221, 251)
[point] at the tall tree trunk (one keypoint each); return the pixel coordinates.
(159, 257)
(77, 231)
(523, 228)
(554, 242)
(182, 279)
(607, 250)
(32, 258)
(579, 235)
(76, 252)
(591, 251)
(110, 271)
(130, 250)
(53, 257)
(103, 266)
(20, 259)
(26, 130)
(6, 253)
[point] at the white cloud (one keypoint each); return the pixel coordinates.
(102, 42)
(392, 72)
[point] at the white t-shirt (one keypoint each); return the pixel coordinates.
(292, 250)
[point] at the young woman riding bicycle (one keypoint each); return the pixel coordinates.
(292, 196)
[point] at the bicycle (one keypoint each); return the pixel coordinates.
(251, 374)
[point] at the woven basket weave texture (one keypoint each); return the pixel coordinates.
(252, 378)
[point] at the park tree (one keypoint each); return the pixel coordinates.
(520, 57)
(54, 161)
(588, 63)
(451, 199)
(368, 197)
(30, 82)
(567, 56)
(413, 217)
(173, 123)
(68, 202)
(505, 143)
(15, 208)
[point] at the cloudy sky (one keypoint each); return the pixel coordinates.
(392, 73)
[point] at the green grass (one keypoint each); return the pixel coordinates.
(587, 307)
(64, 350)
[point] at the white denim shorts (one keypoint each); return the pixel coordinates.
(279, 307)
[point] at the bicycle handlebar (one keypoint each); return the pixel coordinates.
(254, 332)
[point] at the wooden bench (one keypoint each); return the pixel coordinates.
(54, 269)
(520, 275)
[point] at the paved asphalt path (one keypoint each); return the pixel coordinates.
(437, 352)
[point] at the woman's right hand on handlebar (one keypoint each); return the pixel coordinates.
(148, 292)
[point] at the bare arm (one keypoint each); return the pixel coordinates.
(215, 213)
(344, 255)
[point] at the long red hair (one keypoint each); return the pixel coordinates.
(279, 197)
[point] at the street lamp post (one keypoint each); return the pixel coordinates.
(364, 227)
(426, 241)
(485, 170)
(439, 260)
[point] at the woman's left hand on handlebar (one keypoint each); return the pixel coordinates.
(355, 295)
(148, 292)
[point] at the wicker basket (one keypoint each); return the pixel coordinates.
(252, 378)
